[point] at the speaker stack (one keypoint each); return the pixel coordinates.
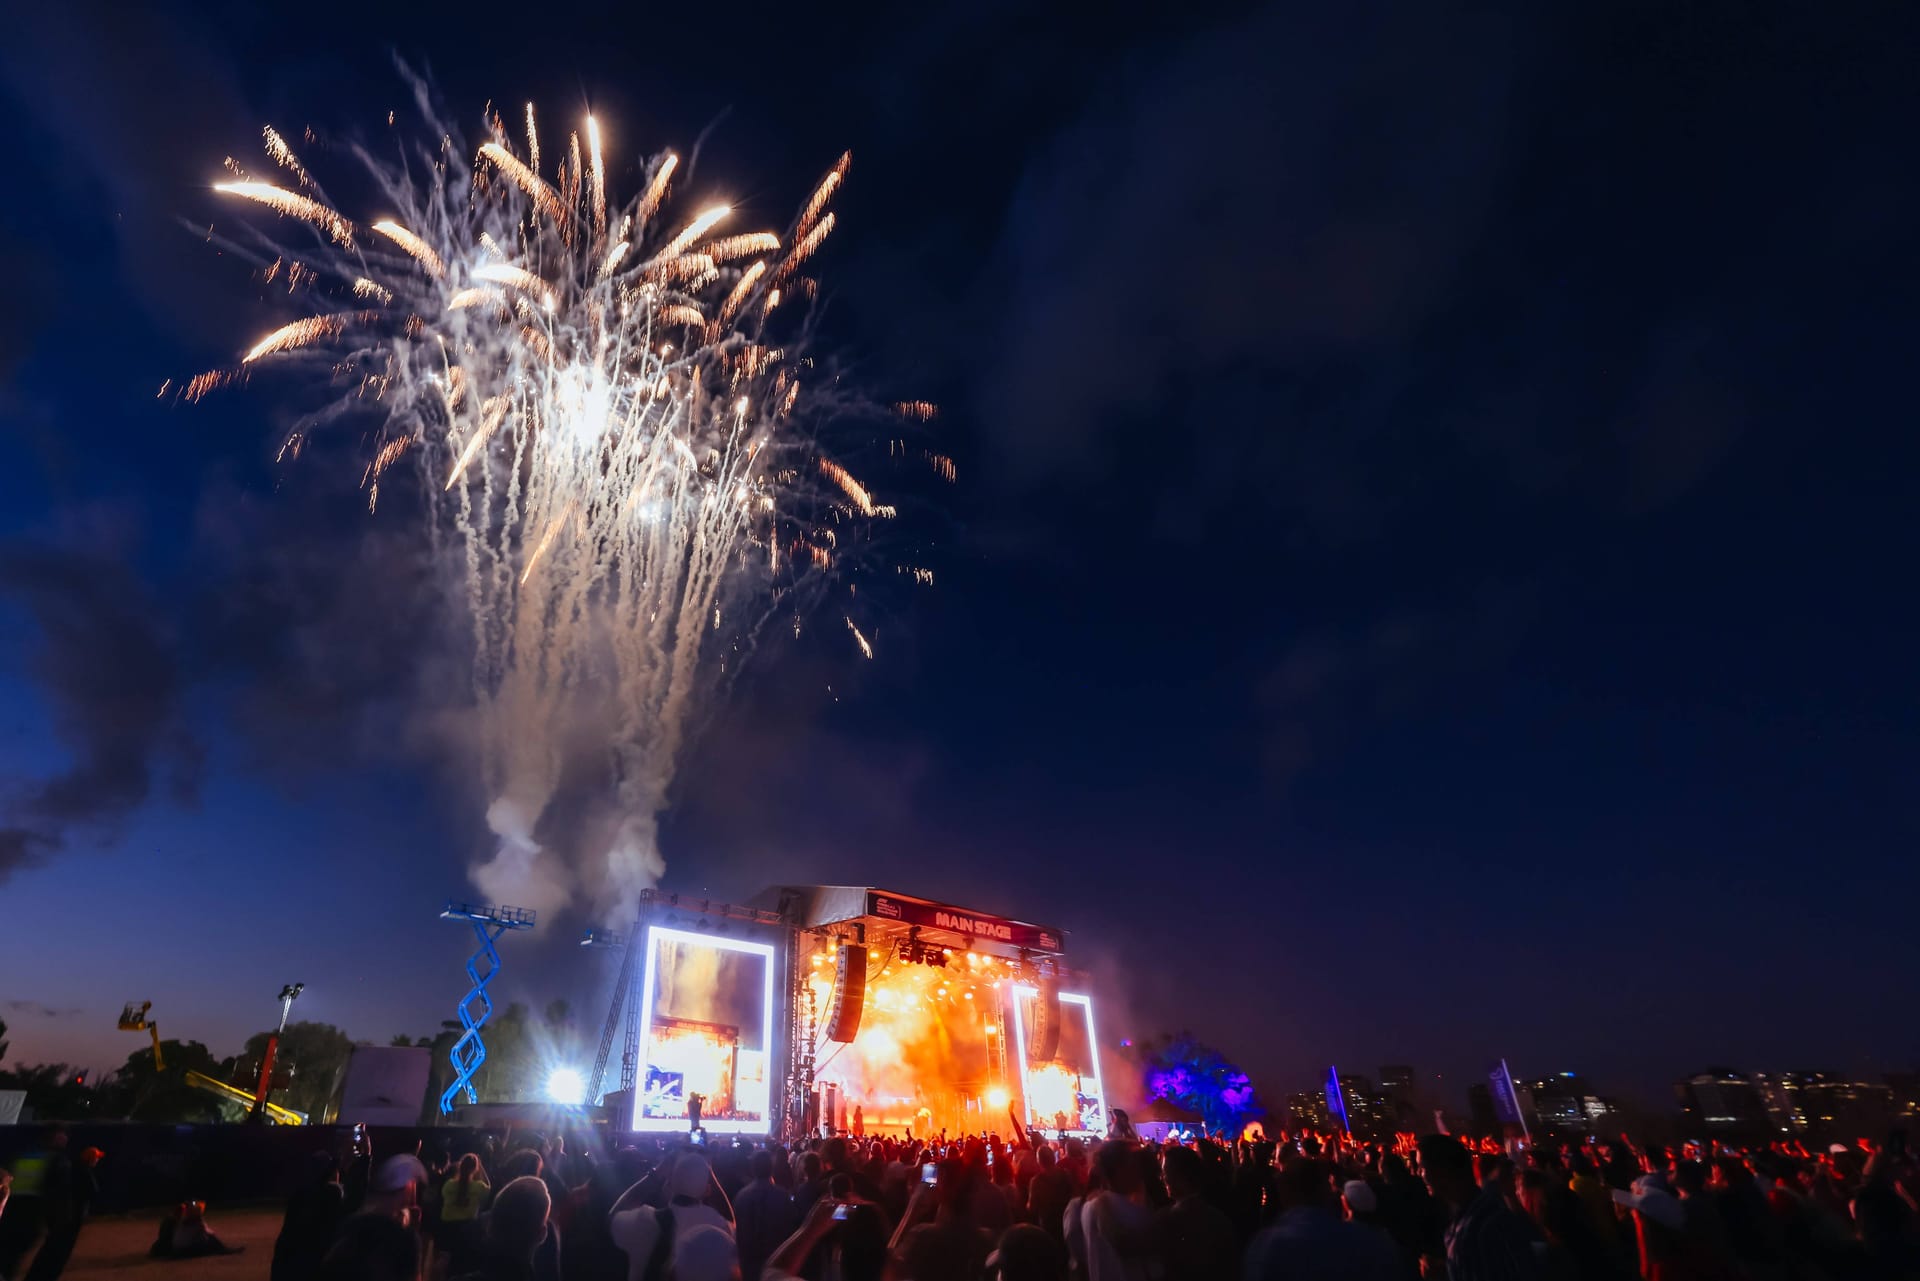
(1043, 1038)
(849, 992)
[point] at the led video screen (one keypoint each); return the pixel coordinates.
(706, 1029)
(1063, 1095)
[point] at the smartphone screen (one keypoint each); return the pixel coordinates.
(929, 1173)
(840, 1211)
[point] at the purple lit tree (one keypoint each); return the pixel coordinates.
(1199, 1078)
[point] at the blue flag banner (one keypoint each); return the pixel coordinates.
(1336, 1102)
(1506, 1100)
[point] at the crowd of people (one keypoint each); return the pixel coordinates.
(531, 1207)
(1034, 1209)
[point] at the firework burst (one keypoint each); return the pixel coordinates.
(605, 422)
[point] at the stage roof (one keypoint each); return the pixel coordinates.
(812, 906)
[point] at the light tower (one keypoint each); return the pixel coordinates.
(469, 1052)
(288, 995)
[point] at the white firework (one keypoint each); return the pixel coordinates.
(605, 420)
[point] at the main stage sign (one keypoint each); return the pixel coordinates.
(939, 916)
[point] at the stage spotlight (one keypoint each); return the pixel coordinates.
(566, 1086)
(998, 1098)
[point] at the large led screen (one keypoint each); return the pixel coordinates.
(1063, 1095)
(706, 1029)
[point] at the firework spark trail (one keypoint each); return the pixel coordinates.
(804, 249)
(301, 333)
(293, 205)
(599, 181)
(526, 176)
(699, 227)
(283, 156)
(420, 249)
(606, 434)
(731, 247)
(649, 202)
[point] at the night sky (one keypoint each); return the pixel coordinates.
(1430, 578)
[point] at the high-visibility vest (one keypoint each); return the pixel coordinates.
(30, 1175)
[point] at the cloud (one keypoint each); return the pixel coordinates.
(36, 1009)
(312, 631)
(107, 665)
(323, 627)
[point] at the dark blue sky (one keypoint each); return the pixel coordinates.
(1430, 576)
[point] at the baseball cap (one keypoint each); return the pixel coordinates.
(1653, 1201)
(397, 1171)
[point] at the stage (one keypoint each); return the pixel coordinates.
(851, 1010)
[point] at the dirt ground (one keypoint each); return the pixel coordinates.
(116, 1246)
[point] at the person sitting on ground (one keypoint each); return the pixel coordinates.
(184, 1234)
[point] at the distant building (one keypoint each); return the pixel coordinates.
(1783, 1108)
(1369, 1112)
(1396, 1086)
(1838, 1106)
(1307, 1110)
(1826, 1106)
(1564, 1104)
(1723, 1102)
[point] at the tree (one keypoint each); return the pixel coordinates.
(55, 1091)
(511, 1038)
(315, 1056)
(140, 1093)
(439, 1063)
(3, 1040)
(1199, 1078)
(521, 1051)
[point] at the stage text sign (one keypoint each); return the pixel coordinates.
(960, 921)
